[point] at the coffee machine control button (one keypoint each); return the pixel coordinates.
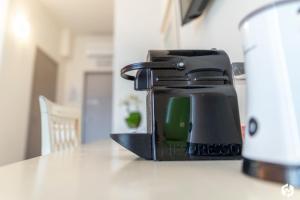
(253, 126)
(180, 65)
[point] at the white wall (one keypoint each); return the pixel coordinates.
(137, 29)
(75, 67)
(17, 71)
(218, 27)
(3, 14)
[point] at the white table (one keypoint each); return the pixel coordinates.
(105, 170)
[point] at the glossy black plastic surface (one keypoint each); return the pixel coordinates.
(192, 108)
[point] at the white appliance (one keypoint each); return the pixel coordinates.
(271, 44)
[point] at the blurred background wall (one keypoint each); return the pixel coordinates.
(42, 30)
(137, 29)
(79, 34)
(81, 61)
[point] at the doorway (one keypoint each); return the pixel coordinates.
(44, 83)
(97, 106)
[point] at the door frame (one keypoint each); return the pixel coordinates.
(84, 93)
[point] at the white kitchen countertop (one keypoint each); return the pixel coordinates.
(105, 170)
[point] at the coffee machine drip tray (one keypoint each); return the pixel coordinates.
(138, 143)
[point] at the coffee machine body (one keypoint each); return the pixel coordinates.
(192, 108)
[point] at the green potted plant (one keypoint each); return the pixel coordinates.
(134, 117)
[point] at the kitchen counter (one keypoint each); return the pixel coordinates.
(105, 170)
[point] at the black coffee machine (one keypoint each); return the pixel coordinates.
(192, 108)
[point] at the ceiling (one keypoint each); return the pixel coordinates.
(84, 16)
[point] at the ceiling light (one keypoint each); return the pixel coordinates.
(21, 27)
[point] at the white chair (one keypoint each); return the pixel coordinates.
(60, 126)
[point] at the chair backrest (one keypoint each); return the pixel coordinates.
(60, 126)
